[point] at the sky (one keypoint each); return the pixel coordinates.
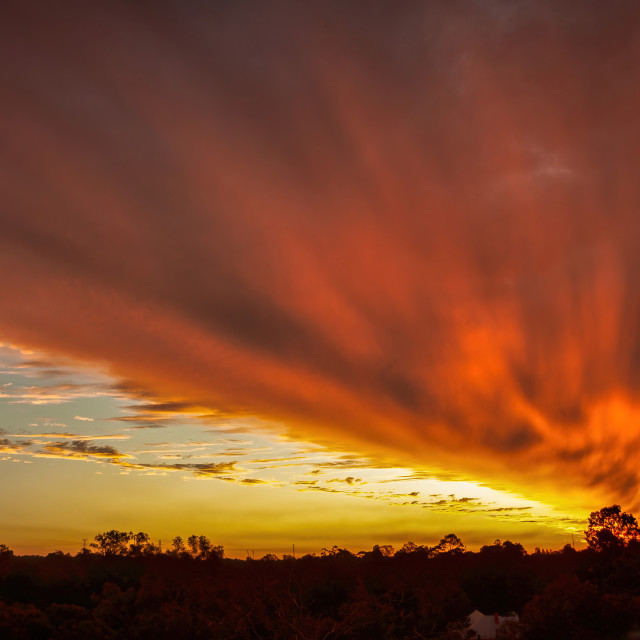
(305, 273)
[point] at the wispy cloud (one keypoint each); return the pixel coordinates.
(79, 449)
(53, 394)
(350, 480)
(71, 436)
(205, 470)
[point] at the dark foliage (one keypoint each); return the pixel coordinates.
(128, 589)
(611, 528)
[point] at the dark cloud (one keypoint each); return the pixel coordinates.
(207, 469)
(80, 446)
(452, 501)
(198, 469)
(9, 446)
(201, 470)
(513, 438)
(162, 407)
(81, 449)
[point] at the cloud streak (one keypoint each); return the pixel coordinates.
(80, 450)
(52, 394)
(412, 232)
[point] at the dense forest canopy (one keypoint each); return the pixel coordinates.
(124, 586)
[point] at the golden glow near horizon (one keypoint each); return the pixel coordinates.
(155, 466)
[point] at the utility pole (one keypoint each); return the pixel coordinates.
(294, 550)
(84, 544)
(573, 540)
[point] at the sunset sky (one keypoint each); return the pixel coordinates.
(318, 273)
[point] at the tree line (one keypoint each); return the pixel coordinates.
(126, 543)
(123, 586)
(608, 528)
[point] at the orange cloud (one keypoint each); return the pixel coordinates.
(7, 446)
(411, 231)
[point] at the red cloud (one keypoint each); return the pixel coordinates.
(413, 230)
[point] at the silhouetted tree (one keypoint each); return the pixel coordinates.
(140, 544)
(611, 528)
(336, 552)
(200, 547)
(204, 547)
(506, 551)
(569, 609)
(5, 558)
(112, 543)
(449, 543)
(411, 548)
(386, 550)
(178, 550)
(408, 547)
(416, 593)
